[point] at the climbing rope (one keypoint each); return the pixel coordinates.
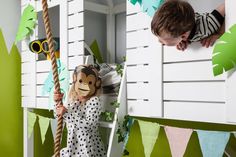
(55, 75)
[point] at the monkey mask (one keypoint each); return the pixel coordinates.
(86, 81)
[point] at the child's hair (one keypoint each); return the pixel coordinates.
(174, 17)
(86, 69)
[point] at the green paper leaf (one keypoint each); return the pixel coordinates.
(96, 51)
(31, 121)
(150, 6)
(149, 132)
(224, 53)
(27, 23)
(43, 124)
(135, 1)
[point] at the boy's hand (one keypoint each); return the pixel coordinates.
(182, 45)
(209, 41)
(60, 110)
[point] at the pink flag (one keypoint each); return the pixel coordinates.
(178, 140)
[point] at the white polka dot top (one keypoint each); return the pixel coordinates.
(83, 139)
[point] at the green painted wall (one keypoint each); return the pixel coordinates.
(11, 113)
(162, 149)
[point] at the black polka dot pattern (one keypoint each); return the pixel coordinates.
(83, 139)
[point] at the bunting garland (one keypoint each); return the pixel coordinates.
(212, 143)
(44, 124)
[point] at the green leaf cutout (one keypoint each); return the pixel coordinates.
(135, 1)
(224, 53)
(150, 6)
(27, 23)
(96, 51)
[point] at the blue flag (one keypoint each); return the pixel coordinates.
(213, 143)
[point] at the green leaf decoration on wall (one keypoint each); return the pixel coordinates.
(48, 87)
(27, 23)
(96, 51)
(150, 6)
(224, 53)
(135, 1)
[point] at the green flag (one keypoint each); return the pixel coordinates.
(43, 124)
(31, 121)
(149, 132)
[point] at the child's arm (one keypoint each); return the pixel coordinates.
(209, 41)
(221, 9)
(60, 110)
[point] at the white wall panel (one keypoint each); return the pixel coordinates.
(190, 71)
(195, 91)
(207, 112)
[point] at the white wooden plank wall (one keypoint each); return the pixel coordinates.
(190, 91)
(71, 33)
(144, 66)
(28, 62)
(231, 77)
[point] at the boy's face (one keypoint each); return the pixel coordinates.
(168, 40)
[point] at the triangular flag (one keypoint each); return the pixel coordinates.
(213, 143)
(53, 123)
(43, 124)
(149, 132)
(178, 139)
(31, 121)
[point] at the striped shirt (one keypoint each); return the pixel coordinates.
(206, 24)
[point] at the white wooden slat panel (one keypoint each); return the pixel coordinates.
(27, 102)
(39, 92)
(139, 91)
(41, 77)
(76, 48)
(139, 73)
(27, 90)
(75, 6)
(231, 80)
(43, 66)
(194, 52)
(76, 34)
(138, 21)
(76, 20)
(42, 103)
(143, 108)
(140, 55)
(27, 67)
(195, 91)
(131, 9)
(25, 45)
(27, 56)
(138, 38)
(75, 61)
(190, 71)
(204, 112)
(26, 79)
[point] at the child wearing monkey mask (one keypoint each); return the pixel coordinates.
(82, 114)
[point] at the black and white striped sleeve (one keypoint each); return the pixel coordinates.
(212, 22)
